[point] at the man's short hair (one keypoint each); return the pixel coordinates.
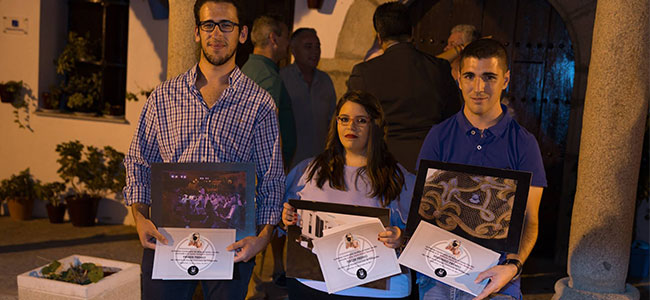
(300, 31)
(199, 3)
(485, 48)
(392, 22)
(264, 25)
(469, 32)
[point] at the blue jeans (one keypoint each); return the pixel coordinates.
(431, 289)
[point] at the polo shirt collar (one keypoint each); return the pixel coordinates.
(498, 129)
(265, 60)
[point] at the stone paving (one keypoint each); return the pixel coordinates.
(25, 245)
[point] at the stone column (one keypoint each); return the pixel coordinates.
(616, 106)
(182, 50)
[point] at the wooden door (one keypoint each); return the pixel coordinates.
(542, 71)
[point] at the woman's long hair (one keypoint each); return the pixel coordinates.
(386, 178)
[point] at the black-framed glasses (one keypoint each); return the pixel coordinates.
(359, 121)
(224, 26)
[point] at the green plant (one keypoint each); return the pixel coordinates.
(51, 97)
(83, 274)
(21, 187)
(83, 91)
(51, 192)
(91, 171)
(77, 49)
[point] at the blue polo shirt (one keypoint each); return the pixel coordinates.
(506, 145)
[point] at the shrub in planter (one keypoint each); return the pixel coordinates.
(92, 173)
(52, 194)
(19, 191)
(121, 280)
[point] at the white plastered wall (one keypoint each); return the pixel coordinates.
(28, 57)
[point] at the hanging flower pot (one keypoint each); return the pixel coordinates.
(315, 4)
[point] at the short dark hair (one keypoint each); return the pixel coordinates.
(300, 31)
(392, 22)
(199, 3)
(485, 48)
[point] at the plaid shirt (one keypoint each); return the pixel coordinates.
(177, 126)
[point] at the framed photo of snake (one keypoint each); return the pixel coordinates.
(484, 205)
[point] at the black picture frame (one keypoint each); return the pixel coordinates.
(302, 262)
(228, 188)
(504, 235)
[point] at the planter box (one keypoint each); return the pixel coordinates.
(123, 285)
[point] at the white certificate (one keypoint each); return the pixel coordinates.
(350, 255)
(447, 257)
(194, 253)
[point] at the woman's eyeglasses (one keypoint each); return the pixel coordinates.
(359, 121)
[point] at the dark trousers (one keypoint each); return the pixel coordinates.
(184, 289)
(299, 291)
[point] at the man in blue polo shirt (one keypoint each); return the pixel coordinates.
(483, 134)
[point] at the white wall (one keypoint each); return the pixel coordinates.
(327, 21)
(19, 60)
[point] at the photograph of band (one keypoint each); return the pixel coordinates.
(209, 197)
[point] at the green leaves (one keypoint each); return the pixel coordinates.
(85, 273)
(20, 187)
(92, 171)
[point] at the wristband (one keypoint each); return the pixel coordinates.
(517, 263)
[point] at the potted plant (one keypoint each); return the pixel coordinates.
(92, 173)
(84, 93)
(18, 191)
(81, 89)
(10, 90)
(50, 99)
(52, 194)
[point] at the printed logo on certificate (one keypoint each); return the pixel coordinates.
(447, 257)
(350, 255)
(193, 253)
(355, 256)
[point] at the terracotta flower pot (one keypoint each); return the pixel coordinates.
(55, 213)
(21, 209)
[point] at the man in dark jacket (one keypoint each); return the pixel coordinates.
(415, 89)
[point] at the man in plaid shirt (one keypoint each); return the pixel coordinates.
(211, 113)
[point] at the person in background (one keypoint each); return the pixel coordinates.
(461, 35)
(355, 168)
(415, 89)
(270, 38)
(312, 93)
(211, 113)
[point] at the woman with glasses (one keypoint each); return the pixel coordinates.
(355, 168)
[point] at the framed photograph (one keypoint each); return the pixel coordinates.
(204, 195)
(483, 205)
(315, 218)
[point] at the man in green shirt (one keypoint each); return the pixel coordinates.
(270, 38)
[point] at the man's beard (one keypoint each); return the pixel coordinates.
(215, 60)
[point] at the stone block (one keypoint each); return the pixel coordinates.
(123, 285)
